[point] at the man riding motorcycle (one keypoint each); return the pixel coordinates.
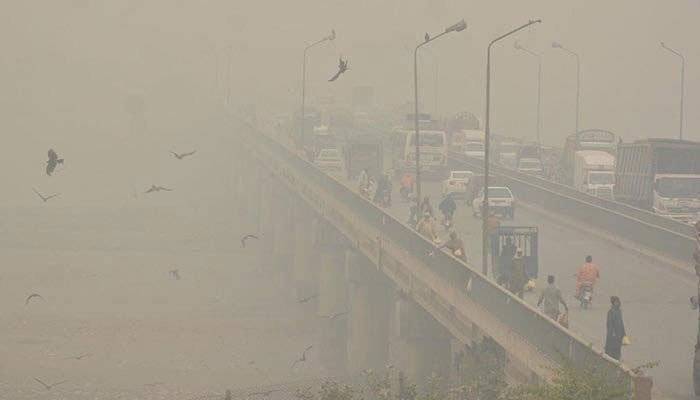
(587, 275)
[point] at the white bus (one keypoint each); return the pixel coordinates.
(433, 151)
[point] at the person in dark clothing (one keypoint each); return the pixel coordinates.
(505, 261)
(448, 207)
(518, 277)
(615, 329)
(413, 214)
(382, 186)
(456, 246)
(426, 207)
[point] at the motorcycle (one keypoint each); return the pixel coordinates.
(586, 295)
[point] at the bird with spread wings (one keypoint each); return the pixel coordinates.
(342, 67)
(180, 156)
(52, 162)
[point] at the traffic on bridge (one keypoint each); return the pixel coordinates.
(350, 200)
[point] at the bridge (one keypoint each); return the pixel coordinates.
(408, 305)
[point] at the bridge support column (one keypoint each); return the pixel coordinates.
(370, 298)
(266, 226)
(305, 264)
(284, 245)
(420, 347)
(332, 302)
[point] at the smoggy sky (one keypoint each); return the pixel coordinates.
(114, 85)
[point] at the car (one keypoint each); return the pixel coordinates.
(501, 201)
(456, 184)
(329, 160)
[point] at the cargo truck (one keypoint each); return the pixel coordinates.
(594, 173)
(589, 139)
(660, 175)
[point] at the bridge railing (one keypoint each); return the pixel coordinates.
(548, 337)
(663, 235)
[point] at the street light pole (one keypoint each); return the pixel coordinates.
(303, 83)
(680, 132)
(578, 79)
(458, 27)
(487, 141)
(539, 87)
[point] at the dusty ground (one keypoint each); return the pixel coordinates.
(144, 335)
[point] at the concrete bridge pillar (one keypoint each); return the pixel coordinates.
(420, 348)
(266, 227)
(332, 308)
(305, 261)
(370, 305)
(284, 242)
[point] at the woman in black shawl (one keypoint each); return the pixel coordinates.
(615, 329)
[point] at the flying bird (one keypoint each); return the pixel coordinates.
(175, 274)
(182, 155)
(31, 296)
(342, 67)
(52, 162)
(45, 198)
(307, 299)
(155, 188)
(49, 387)
(246, 237)
(334, 315)
(302, 358)
(80, 357)
(265, 393)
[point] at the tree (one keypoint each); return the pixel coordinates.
(573, 383)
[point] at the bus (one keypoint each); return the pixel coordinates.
(433, 151)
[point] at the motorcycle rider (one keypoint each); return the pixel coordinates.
(448, 206)
(456, 246)
(407, 183)
(363, 182)
(587, 275)
(426, 227)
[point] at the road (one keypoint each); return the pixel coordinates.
(654, 296)
(107, 295)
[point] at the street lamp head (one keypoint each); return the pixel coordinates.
(556, 45)
(458, 27)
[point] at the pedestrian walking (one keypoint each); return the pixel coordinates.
(505, 261)
(615, 329)
(551, 298)
(518, 278)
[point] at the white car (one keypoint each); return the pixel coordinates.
(501, 201)
(456, 184)
(329, 160)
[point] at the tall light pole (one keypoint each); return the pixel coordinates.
(303, 83)
(557, 45)
(680, 132)
(539, 86)
(487, 142)
(458, 27)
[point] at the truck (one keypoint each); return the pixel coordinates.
(589, 139)
(660, 175)
(507, 153)
(364, 152)
(529, 159)
(594, 173)
(473, 145)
